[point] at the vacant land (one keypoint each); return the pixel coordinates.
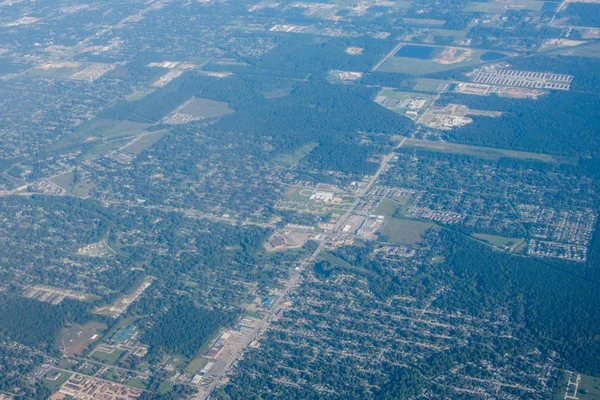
(428, 85)
(55, 379)
(195, 365)
(109, 357)
(415, 61)
(502, 242)
(386, 207)
(587, 388)
(65, 181)
(500, 6)
(290, 159)
(145, 141)
(101, 129)
(404, 231)
(205, 108)
(482, 152)
(76, 338)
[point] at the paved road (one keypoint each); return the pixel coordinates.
(294, 281)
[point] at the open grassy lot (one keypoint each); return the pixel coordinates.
(108, 358)
(502, 242)
(65, 181)
(137, 383)
(54, 384)
(500, 6)
(590, 49)
(588, 388)
(448, 33)
(386, 207)
(195, 365)
(428, 85)
(288, 160)
(404, 231)
(101, 129)
(442, 58)
(76, 338)
(144, 142)
(205, 108)
(482, 152)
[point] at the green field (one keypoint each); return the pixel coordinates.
(448, 33)
(288, 160)
(140, 93)
(588, 389)
(101, 129)
(481, 152)
(506, 243)
(416, 66)
(195, 365)
(428, 85)
(144, 142)
(82, 189)
(205, 108)
(137, 383)
(164, 387)
(424, 22)
(55, 73)
(583, 50)
(55, 384)
(404, 231)
(298, 193)
(277, 93)
(335, 261)
(65, 181)
(109, 358)
(500, 7)
(386, 207)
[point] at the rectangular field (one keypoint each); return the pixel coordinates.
(505, 243)
(501, 6)
(439, 58)
(107, 357)
(76, 338)
(145, 141)
(404, 231)
(482, 152)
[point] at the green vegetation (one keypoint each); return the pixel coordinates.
(195, 365)
(430, 85)
(386, 207)
(584, 14)
(499, 7)
(543, 126)
(205, 108)
(538, 295)
(501, 241)
(54, 384)
(34, 323)
(289, 160)
(587, 389)
(403, 231)
(185, 328)
(419, 67)
(146, 140)
(108, 357)
(482, 152)
(138, 383)
(65, 181)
